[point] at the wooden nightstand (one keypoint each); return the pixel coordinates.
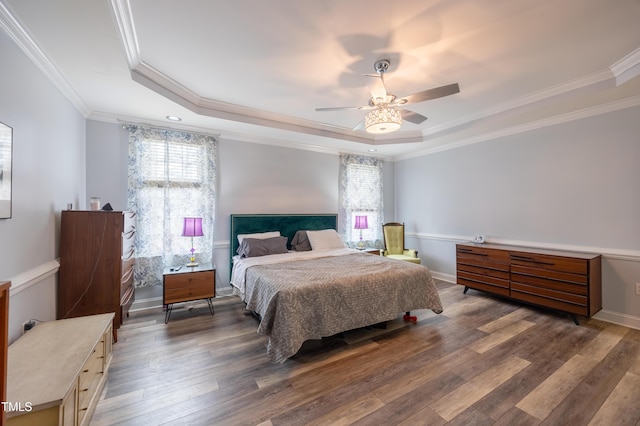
(184, 284)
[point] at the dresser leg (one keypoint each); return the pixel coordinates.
(210, 305)
(465, 290)
(167, 313)
(575, 319)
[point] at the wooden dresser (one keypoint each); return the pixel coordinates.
(570, 282)
(57, 371)
(4, 342)
(97, 256)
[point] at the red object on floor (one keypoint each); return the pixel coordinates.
(411, 318)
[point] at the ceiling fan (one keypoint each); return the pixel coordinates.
(385, 114)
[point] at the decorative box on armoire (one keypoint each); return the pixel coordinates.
(96, 264)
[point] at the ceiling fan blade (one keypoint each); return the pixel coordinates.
(375, 83)
(359, 126)
(412, 117)
(426, 95)
(342, 108)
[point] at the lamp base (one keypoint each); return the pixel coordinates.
(192, 264)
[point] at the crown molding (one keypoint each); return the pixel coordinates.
(527, 127)
(124, 20)
(627, 68)
(29, 47)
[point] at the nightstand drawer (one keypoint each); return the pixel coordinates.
(189, 286)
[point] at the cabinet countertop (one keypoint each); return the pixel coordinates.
(203, 267)
(44, 363)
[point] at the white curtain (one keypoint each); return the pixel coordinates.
(361, 195)
(172, 175)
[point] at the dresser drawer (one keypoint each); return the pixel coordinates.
(483, 269)
(542, 282)
(89, 379)
(483, 257)
(544, 262)
(551, 299)
(126, 284)
(487, 284)
(127, 300)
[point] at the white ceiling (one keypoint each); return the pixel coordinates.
(256, 70)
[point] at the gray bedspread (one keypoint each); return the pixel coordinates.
(315, 298)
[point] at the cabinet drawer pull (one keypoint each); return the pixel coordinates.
(84, 409)
(466, 251)
(84, 390)
(530, 259)
(85, 371)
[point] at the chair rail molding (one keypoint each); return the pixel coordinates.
(606, 252)
(33, 276)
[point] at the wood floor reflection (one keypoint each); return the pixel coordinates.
(482, 361)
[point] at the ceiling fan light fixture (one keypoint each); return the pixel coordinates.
(383, 119)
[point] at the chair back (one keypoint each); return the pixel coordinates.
(393, 233)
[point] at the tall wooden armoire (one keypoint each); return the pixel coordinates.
(96, 264)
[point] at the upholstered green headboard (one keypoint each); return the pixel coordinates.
(287, 224)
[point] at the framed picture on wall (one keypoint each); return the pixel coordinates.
(6, 145)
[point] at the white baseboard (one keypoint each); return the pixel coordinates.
(146, 304)
(618, 318)
(443, 277)
(156, 302)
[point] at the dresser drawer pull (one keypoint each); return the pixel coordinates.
(530, 259)
(85, 371)
(467, 251)
(128, 255)
(84, 390)
(84, 409)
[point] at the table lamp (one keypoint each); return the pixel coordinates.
(361, 223)
(192, 228)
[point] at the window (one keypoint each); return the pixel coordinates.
(361, 195)
(171, 176)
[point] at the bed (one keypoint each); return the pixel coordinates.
(310, 294)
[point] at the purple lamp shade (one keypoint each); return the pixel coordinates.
(192, 227)
(361, 222)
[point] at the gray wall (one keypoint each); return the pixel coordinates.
(48, 173)
(107, 150)
(570, 186)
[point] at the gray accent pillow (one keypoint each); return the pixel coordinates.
(300, 242)
(253, 247)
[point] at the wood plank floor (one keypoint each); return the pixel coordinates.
(483, 361)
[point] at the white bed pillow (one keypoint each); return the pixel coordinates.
(325, 239)
(259, 235)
